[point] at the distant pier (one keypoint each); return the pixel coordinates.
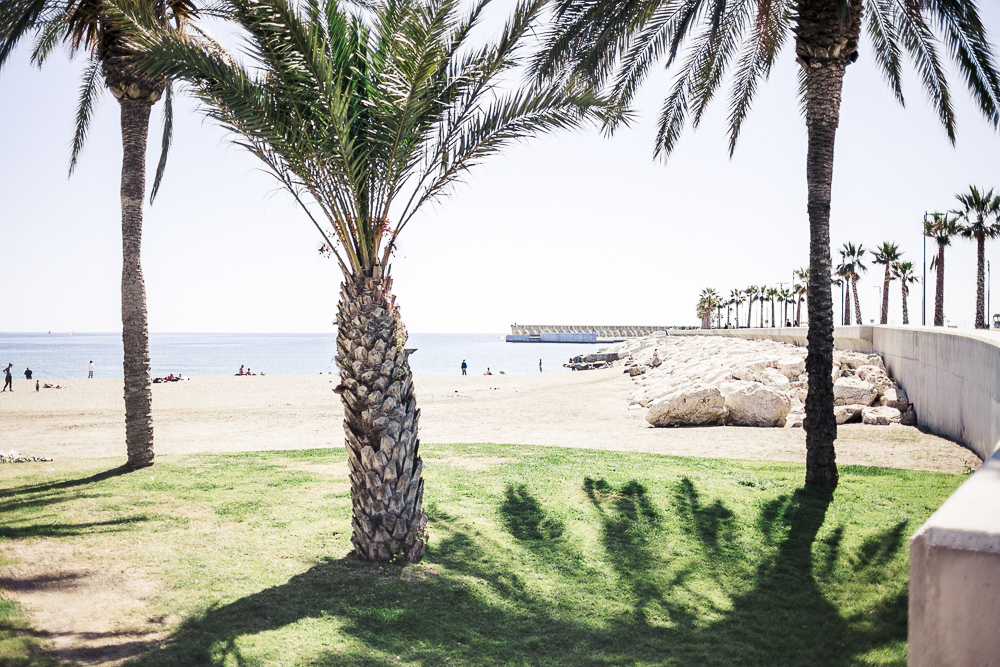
(559, 333)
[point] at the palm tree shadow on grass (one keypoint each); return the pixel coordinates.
(466, 609)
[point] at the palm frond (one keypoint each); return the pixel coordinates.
(90, 91)
(919, 41)
(885, 43)
(165, 140)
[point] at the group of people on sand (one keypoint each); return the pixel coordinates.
(465, 368)
(169, 378)
(8, 378)
(245, 372)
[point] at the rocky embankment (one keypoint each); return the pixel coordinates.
(701, 380)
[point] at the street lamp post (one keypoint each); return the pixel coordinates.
(923, 302)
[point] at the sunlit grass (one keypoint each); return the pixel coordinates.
(538, 556)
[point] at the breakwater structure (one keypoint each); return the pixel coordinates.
(575, 333)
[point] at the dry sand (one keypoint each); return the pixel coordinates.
(587, 409)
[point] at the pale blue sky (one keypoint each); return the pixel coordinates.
(571, 228)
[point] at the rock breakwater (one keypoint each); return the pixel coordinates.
(700, 380)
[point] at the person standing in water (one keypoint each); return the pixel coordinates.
(8, 380)
(539, 365)
(465, 367)
(90, 370)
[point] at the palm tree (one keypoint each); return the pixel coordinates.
(736, 298)
(86, 26)
(941, 227)
(772, 294)
(844, 271)
(365, 114)
(887, 255)
(853, 256)
(785, 297)
(761, 298)
(978, 220)
(753, 294)
(800, 293)
(617, 42)
(707, 302)
(802, 275)
(903, 272)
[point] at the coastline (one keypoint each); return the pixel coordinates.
(280, 412)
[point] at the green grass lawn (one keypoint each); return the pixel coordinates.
(537, 556)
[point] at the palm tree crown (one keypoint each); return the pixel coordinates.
(365, 113)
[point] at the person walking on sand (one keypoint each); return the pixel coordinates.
(465, 367)
(8, 380)
(90, 370)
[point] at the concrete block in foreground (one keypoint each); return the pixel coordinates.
(955, 577)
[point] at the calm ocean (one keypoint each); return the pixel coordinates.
(66, 356)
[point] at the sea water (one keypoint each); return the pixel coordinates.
(67, 356)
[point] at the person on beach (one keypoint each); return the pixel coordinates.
(27, 373)
(8, 378)
(487, 371)
(539, 365)
(241, 370)
(465, 367)
(36, 386)
(90, 370)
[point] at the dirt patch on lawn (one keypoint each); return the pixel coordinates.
(87, 614)
(473, 463)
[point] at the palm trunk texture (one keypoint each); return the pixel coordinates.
(885, 297)
(135, 334)
(857, 303)
(906, 314)
(380, 422)
(847, 308)
(980, 281)
(823, 47)
(939, 289)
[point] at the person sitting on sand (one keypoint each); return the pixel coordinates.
(487, 371)
(241, 370)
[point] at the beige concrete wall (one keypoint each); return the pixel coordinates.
(955, 577)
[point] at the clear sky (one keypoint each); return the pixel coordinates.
(570, 228)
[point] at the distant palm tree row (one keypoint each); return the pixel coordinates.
(711, 304)
(978, 217)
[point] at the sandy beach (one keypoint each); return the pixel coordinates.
(588, 410)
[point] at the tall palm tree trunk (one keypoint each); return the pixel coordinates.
(380, 421)
(906, 293)
(798, 310)
(760, 323)
(857, 303)
(939, 289)
(980, 282)
(135, 334)
(824, 46)
(772, 312)
(847, 306)
(885, 298)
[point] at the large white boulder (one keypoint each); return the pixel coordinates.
(773, 378)
(853, 390)
(791, 367)
(753, 404)
(868, 372)
(895, 397)
(880, 416)
(693, 405)
(845, 413)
